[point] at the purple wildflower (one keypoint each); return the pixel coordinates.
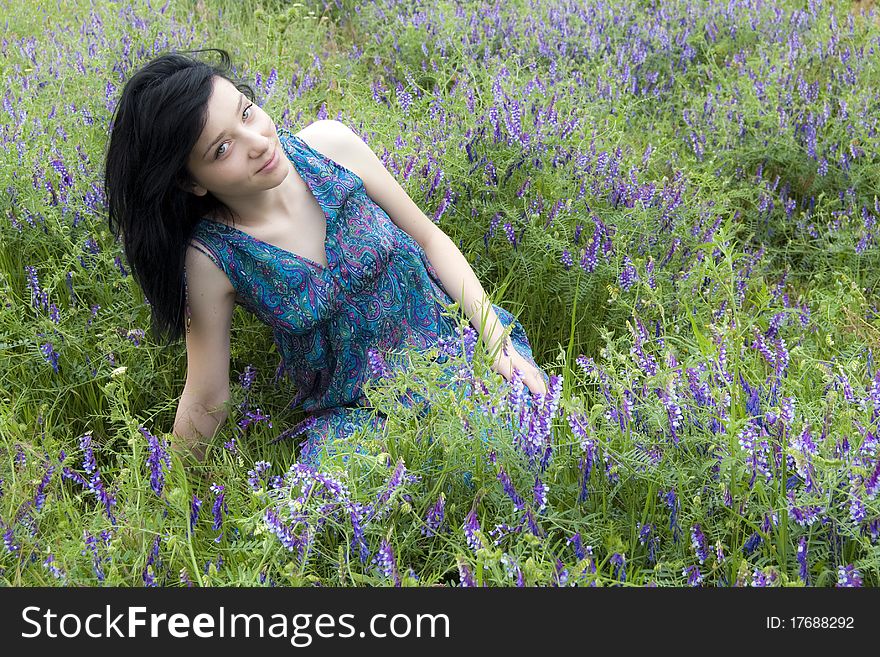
(537, 438)
(787, 411)
(756, 450)
(628, 275)
(465, 576)
(872, 484)
(848, 576)
(152, 564)
(252, 417)
(386, 563)
(764, 579)
(674, 506)
(52, 567)
(284, 533)
(805, 515)
(529, 519)
(258, 474)
(752, 543)
(469, 338)
(512, 569)
(358, 540)
(540, 490)
(194, 508)
(511, 235)
(157, 456)
(394, 481)
(378, 366)
(50, 355)
(213, 567)
(503, 530)
(804, 571)
(857, 510)
(646, 536)
(39, 298)
(219, 505)
(95, 485)
(567, 262)
(435, 517)
(270, 81)
(698, 540)
(149, 579)
(471, 527)
(693, 574)
(246, 378)
(9, 540)
(619, 563)
(753, 398)
(673, 410)
(591, 562)
(67, 473)
(40, 496)
(92, 547)
(135, 336)
(509, 488)
(561, 574)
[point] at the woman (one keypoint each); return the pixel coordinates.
(308, 231)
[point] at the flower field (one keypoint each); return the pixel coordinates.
(678, 199)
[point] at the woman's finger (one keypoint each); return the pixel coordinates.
(538, 382)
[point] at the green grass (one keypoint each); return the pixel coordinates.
(627, 475)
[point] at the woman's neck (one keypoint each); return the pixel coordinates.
(263, 207)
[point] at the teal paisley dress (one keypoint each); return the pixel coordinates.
(379, 290)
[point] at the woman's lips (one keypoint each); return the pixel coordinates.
(270, 164)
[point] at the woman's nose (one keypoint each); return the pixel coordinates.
(260, 144)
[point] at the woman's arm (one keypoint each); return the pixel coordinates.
(461, 283)
(341, 144)
(195, 424)
(210, 298)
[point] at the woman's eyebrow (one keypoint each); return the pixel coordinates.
(223, 134)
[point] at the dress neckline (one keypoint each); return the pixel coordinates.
(328, 232)
(290, 254)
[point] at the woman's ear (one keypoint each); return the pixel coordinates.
(192, 187)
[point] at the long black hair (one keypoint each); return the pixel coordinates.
(158, 119)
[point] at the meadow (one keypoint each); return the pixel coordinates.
(678, 200)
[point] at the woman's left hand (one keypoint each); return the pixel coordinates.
(531, 375)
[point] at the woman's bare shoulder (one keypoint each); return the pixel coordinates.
(319, 134)
(204, 275)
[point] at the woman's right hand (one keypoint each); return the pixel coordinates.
(504, 364)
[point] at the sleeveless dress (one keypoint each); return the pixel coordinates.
(379, 290)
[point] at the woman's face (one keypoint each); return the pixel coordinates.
(238, 139)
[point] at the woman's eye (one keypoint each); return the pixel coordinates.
(219, 153)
